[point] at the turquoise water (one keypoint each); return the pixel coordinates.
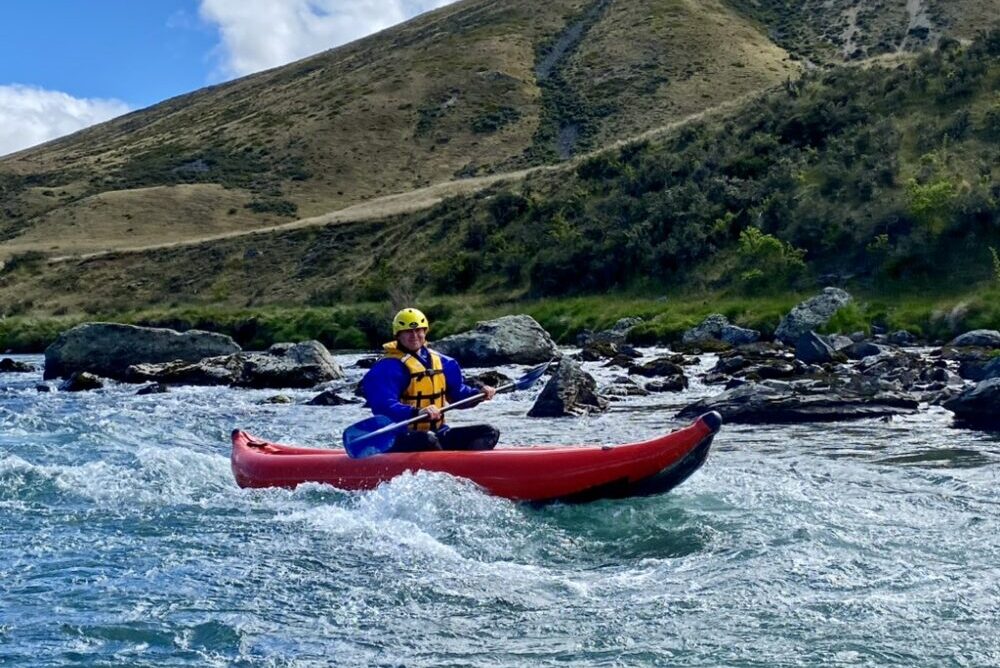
(125, 542)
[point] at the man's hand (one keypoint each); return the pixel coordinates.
(433, 412)
(489, 392)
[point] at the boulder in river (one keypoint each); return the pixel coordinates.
(661, 366)
(8, 365)
(717, 327)
(972, 360)
(81, 381)
(811, 314)
(863, 349)
(670, 384)
(304, 364)
(109, 349)
(978, 406)
(512, 339)
(330, 398)
(598, 350)
(979, 338)
(285, 365)
(616, 335)
(622, 387)
(811, 348)
(569, 392)
(779, 402)
(492, 378)
(901, 337)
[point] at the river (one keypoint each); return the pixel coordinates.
(125, 542)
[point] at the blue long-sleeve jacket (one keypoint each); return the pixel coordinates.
(388, 378)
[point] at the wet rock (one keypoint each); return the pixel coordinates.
(980, 338)
(299, 365)
(756, 361)
(754, 403)
(512, 339)
(569, 392)
(330, 398)
(863, 349)
(715, 378)
(7, 365)
(717, 327)
(620, 361)
(492, 378)
(706, 346)
(210, 371)
(901, 337)
(839, 342)
(622, 387)
(676, 383)
(774, 369)
(978, 407)
(661, 366)
(278, 399)
(811, 314)
(304, 364)
(972, 361)
(731, 364)
(42, 387)
(109, 349)
(598, 350)
(81, 381)
(617, 335)
(366, 362)
(811, 348)
(152, 388)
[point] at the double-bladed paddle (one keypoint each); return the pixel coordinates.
(376, 434)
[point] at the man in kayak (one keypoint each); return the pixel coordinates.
(412, 379)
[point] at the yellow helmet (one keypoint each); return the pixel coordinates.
(409, 318)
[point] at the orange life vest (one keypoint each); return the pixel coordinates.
(427, 386)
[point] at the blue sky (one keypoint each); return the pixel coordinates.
(67, 64)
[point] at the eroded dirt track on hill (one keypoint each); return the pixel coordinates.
(382, 207)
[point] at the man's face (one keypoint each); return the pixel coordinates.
(413, 339)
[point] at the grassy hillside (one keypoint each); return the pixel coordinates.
(469, 89)
(882, 178)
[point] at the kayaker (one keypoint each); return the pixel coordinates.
(410, 379)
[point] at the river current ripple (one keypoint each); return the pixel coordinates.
(125, 542)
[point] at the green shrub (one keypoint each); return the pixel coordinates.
(930, 203)
(495, 119)
(850, 318)
(766, 261)
(280, 207)
(29, 261)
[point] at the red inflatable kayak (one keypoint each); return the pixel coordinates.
(535, 473)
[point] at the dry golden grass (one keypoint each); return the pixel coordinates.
(385, 115)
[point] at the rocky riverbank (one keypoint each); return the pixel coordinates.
(798, 376)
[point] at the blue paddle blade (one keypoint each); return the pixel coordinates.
(360, 442)
(528, 379)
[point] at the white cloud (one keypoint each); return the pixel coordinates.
(258, 34)
(30, 115)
